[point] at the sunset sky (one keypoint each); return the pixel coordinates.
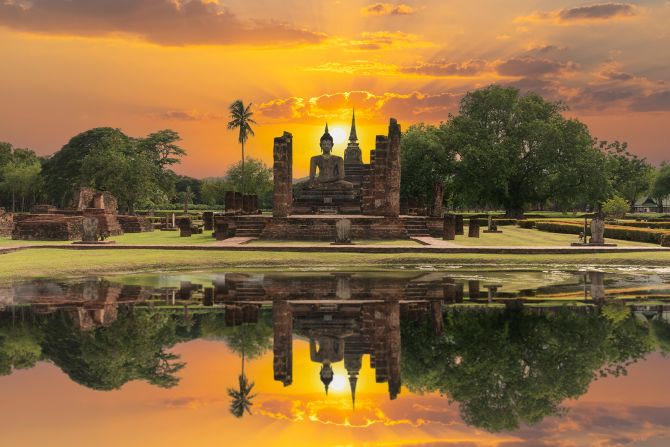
(145, 65)
(616, 412)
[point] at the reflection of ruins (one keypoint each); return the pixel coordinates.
(340, 332)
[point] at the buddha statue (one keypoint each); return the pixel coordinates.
(330, 168)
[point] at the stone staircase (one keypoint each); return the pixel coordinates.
(416, 227)
(249, 227)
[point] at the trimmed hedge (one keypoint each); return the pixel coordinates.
(662, 225)
(499, 222)
(528, 224)
(611, 231)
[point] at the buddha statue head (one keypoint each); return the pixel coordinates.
(326, 142)
(326, 374)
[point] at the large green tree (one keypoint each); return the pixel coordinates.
(516, 150)
(630, 176)
(136, 171)
(660, 188)
(21, 180)
(426, 159)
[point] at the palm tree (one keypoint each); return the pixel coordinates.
(242, 397)
(241, 119)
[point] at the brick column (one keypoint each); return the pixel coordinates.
(283, 173)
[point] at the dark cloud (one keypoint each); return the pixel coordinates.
(598, 12)
(164, 22)
(654, 102)
(387, 9)
(446, 68)
(533, 67)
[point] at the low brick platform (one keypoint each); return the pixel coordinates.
(322, 227)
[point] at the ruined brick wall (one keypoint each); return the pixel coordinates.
(83, 198)
(6, 223)
(134, 224)
(48, 227)
(283, 175)
(381, 186)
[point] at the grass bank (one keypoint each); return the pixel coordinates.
(55, 263)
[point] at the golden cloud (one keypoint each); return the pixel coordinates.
(387, 9)
(414, 105)
(600, 12)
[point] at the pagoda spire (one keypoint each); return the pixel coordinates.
(352, 135)
(352, 382)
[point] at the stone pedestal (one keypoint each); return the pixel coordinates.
(473, 228)
(449, 233)
(185, 229)
(459, 225)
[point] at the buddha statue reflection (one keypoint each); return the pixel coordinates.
(330, 167)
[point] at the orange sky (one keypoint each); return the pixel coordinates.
(144, 65)
(41, 406)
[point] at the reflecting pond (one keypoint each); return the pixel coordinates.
(495, 358)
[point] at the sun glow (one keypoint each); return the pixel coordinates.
(339, 383)
(339, 135)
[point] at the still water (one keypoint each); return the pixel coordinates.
(459, 358)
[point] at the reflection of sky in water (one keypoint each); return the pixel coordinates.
(42, 406)
(534, 355)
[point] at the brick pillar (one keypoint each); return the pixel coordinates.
(473, 227)
(282, 346)
(449, 227)
(208, 220)
(459, 224)
(438, 199)
(283, 173)
(393, 170)
(230, 201)
(393, 352)
(473, 289)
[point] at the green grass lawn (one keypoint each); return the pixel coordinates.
(163, 238)
(54, 263)
(392, 242)
(515, 236)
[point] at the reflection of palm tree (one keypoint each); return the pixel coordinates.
(242, 397)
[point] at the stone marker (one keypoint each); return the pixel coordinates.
(473, 227)
(208, 220)
(597, 231)
(208, 297)
(89, 229)
(343, 231)
(449, 227)
(492, 226)
(459, 224)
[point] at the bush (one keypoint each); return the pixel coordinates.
(615, 207)
(528, 223)
(611, 231)
(662, 225)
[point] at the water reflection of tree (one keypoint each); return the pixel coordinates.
(507, 368)
(249, 341)
(133, 347)
(19, 345)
